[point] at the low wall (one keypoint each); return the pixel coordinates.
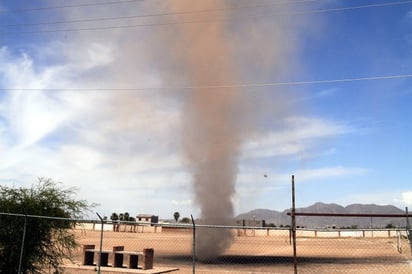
(257, 232)
(363, 233)
(313, 233)
(120, 227)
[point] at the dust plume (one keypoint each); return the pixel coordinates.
(215, 120)
(212, 136)
(212, 129)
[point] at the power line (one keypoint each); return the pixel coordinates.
(129, 1)
(70, 6)
(205, 20)
(155, 14)
(364, 6)
(240, 85)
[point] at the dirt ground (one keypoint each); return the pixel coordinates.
(262, 254)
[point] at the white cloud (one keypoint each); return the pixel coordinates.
(182, 202)
(327, 92)
(407, 198)
(294, 138)
(328, 172)
(20, 72)
(33, 115)
(272, 148)
(306, 127)
(95, 55)
(112, 145)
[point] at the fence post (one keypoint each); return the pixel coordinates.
(293, 228)
(194, 245)
(22, 244)
(101, 243)
(408, 229)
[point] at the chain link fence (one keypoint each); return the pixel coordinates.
(252, 249)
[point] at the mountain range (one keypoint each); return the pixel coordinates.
(279, 218)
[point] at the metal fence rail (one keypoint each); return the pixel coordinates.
(251, 250)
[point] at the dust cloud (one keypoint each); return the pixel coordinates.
(216, 119)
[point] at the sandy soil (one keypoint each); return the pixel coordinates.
(263, 254)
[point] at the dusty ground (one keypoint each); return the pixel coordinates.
(263, 254)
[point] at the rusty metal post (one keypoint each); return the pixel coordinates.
(293, 215)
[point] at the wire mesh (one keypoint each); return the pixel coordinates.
(353, 251)
(252, 250)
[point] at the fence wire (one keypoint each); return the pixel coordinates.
(251, 249)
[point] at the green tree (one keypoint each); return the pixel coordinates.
(176, 216)
(389, 226)
(185, 220)
(47, 241)
(114, 216)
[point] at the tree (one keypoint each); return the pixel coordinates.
(47, 241)
(114, 216)
(185, 220)
(176, 215)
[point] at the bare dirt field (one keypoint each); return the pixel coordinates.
(261, 254)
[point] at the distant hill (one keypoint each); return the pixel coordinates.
(281, 218)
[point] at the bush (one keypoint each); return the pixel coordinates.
(47, 241)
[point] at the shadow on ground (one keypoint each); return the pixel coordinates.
(280, 260)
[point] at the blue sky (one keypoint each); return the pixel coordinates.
(63, 114)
